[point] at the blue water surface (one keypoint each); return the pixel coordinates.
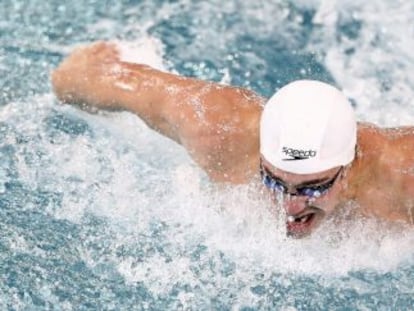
(99, 213)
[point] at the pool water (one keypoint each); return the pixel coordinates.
(97, 212)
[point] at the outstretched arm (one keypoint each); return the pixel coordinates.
(217, 124)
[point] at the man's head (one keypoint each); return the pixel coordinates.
(307, 137)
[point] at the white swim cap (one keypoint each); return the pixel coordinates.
(308, 127)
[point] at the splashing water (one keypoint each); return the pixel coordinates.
(99, 212)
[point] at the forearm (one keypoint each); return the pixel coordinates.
(184, 109)
(155, 96)
(217, 124)
(93, 77)
(111, 86)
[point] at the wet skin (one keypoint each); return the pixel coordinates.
(304, 213)
(219, 127)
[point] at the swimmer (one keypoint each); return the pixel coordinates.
(304, 143)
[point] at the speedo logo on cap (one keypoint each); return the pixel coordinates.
(297, 154)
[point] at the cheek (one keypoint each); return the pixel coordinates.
(326, 202)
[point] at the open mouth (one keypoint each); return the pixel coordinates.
(298, 226)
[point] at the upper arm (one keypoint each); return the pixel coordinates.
(219, 126)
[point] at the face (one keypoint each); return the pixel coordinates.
(307, 199)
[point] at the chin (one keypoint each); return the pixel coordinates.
(304, 224)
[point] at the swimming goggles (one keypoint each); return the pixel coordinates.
(277, 185)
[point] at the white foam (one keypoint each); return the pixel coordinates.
(146, 50)
(374, 65)
(327, 14)
(131, 177)
(103, 24)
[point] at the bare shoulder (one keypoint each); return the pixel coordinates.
(390, 152)
(217, 124)
(384, 171)
(400, 147)
(370, 138)
(220, 129)
(388, 144)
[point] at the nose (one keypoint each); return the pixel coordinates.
(294, 204)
